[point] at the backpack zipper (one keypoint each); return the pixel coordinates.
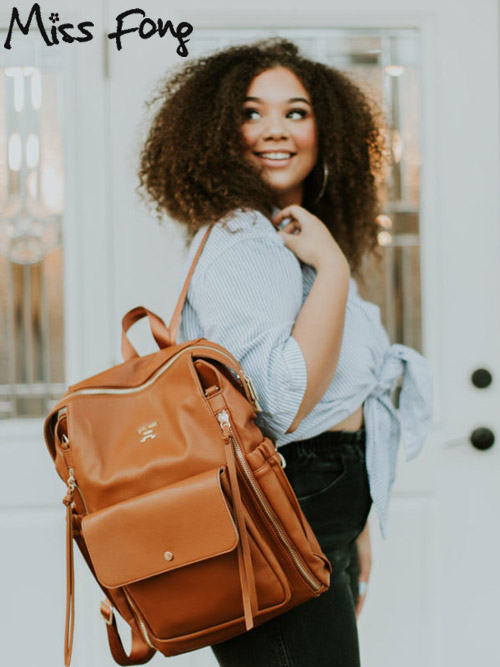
(71, 482)
(161, 370)
(227, 431)
(139, 620)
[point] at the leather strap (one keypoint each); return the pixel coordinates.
(140, 652)
(174, 325)
(158, 329)
(174, 322)
(70, 581)
(247, 577)
(227, 359)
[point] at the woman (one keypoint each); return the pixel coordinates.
(281, 153)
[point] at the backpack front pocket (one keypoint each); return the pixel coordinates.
(174, 550)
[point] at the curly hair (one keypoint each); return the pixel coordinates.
(191, 164)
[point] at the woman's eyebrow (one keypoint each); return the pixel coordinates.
(292, 99)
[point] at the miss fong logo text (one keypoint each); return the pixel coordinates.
(131, 21)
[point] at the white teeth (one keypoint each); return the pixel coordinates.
(276, 156)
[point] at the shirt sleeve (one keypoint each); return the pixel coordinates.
(247, 300)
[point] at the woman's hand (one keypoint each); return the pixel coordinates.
(308, 237)
(365, 564)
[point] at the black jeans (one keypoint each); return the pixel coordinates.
(328, 475)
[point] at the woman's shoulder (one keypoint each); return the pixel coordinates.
(240, 226)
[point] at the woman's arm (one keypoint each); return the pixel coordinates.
(247, 299)
(319, 326)
(319, 329)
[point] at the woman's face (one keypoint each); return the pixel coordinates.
(280, 132)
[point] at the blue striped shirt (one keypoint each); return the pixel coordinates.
(245, 294)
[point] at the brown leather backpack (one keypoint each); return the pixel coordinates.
(178, 503)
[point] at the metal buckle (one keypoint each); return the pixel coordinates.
(104, 604)
(253, 393)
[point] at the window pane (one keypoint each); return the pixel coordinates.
(31, 207)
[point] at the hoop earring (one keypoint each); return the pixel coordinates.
(323, 185)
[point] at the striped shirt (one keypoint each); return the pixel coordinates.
(245, 294)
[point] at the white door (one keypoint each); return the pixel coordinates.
(433, 590)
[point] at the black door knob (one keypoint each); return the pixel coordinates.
(482, 438)
(481, 378)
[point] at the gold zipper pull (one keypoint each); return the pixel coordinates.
(71, 480)
(71, 483)
(223, 418)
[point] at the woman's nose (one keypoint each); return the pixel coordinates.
(275, 129)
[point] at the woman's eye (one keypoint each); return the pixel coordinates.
(248, 113)
(301, 112)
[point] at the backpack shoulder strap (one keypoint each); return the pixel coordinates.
(174, 322)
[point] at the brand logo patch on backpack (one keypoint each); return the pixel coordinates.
(147, 431)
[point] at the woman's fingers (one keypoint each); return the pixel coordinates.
(363, 587)
(291, 227)
(308, 237)
(294, 210)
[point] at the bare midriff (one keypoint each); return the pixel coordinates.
(351, 423)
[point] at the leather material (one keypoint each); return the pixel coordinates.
(70, 582)
(176, 500)
(163, 539)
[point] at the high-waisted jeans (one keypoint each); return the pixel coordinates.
(328, 475)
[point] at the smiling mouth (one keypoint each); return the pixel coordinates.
(275, 155)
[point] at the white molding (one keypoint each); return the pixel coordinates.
(313, 18)
(88, 247)
(430, 250)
